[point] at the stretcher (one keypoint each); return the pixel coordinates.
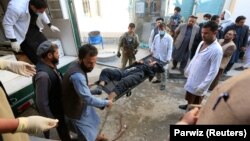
(108, 88)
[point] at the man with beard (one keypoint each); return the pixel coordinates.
(183, 41)
(77, 99)
(240, 40)
(47, 83)
(226, 19)
(228, 48)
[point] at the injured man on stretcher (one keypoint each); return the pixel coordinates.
(124, 79)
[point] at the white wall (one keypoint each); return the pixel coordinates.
(227, 4)
(114, 16)
(237, 8)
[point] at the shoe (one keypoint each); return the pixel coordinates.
(162, 87)
(174, 67)
(157, 81)
(181, 71)
(240, 68)
(183, 107)
(97, 90)
(224, 73)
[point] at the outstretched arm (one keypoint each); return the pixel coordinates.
(18, 67)
(31, 124)
(82, 89)
(8, 125)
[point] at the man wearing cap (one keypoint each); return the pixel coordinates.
(47, 83)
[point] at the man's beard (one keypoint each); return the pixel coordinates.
(85, 69)
(55, 61)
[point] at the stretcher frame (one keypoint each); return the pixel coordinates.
(108, 88)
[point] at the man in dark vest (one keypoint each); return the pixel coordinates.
(47, 83)
(77, 99)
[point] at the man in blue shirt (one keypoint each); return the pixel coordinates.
(175, 20)
(77, 99)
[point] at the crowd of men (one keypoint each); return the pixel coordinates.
(206, 51)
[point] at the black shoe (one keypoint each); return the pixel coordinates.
(97, 90)
(183, 107)
(162, 87)
(174, 67)
(181, 71)
(157, 81)
(240, 68)
(224, 73)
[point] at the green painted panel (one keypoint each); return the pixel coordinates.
(213, 7)
(186, 7)
(74, 24)
(22, 99)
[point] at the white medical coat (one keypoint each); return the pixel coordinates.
(17, 19)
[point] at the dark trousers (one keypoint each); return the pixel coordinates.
(241, 55)
(193, 50)
(46, 134)
(193, 99)
(216, 80)
(182, 65)
(126, 79)
(31, 42)
(228, 67)
(62, 128)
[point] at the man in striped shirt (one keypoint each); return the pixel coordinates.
(204, 66)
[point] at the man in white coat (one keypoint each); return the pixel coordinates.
(22, 24)
(205, 65)
(162, 49)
